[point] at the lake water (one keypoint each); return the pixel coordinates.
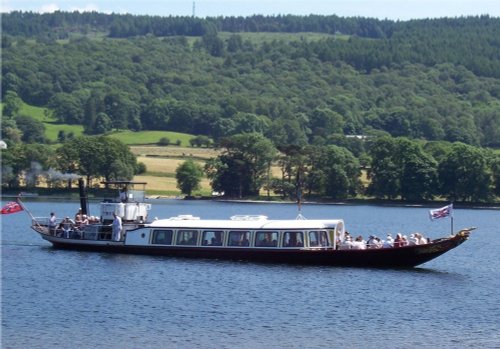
(64, 299)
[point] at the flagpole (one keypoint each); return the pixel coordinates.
(27, 211)
(451, 217)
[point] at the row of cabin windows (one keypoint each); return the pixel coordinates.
(242, 238)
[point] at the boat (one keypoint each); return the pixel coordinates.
(243, 237)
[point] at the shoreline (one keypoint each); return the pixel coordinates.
(347, 202)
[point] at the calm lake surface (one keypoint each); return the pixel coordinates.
(64, 299)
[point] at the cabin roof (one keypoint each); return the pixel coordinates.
(246, 224)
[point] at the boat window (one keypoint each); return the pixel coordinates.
(266, 239)
(239, 238)
(318, 239)
(187, 237)
(162, 237)
(293, 239)
(212, 238)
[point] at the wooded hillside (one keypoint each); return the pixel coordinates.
(431, 79)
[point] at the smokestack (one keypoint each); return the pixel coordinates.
(83, 197)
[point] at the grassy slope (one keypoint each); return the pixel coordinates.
(52, 128)
(150, 137)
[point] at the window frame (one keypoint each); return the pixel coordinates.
(154, 236)
(231, 232)
(214, 231)
(276, 241)
(284, 234)
(318, 238)
(180, 232)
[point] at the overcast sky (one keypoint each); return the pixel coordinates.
(391, 9)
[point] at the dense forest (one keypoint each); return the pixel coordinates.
(432, 80)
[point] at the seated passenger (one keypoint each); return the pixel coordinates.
(359, 243)
(66, 226)
(244, 241)
(421, 240)
(389, 242)
(346, 244)
(374, 242)
(412, 241)
(84, 221)
(405, 240)
(215, 242)
(398, 241)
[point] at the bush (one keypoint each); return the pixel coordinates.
(164, 141)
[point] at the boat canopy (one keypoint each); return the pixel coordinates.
(252, 224)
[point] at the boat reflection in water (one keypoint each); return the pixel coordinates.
(242, 237)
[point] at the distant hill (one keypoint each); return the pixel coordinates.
(296, 79)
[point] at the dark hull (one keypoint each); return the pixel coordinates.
(401, 257)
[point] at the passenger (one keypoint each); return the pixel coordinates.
(346, 244)
(215, 242)
(421, 240)
(405, 240)
(78, 216)
(267, 241)
(217, 239)
(66, 226)
(52, 223)
(123, 195)
(374, 242)
(359, 243)
(412, 241)
(244, 240)
(78, 219)
(398, 242)
(117, 227)
(389, 242)
(85, 221)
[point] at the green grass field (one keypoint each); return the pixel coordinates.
(150, 137)
(52, 128)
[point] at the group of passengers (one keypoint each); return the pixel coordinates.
(373, 242)
(69, 227)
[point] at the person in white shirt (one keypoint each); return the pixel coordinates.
(421, 240)
(359, 243)
(52, 223)
(389, 242)
(412, 240)
(117, 227)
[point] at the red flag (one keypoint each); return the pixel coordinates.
(11, 207)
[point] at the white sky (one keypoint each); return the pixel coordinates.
(391, 9)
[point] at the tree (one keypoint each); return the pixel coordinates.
(67, 108)
(33, 130)
(243, 166)
(98, 157)
(188, 175)
(383, 172)
(103, 123)
(400, 167)
(11, 104)
(341, 172)
(164, 141)
(464, 174)
(25, 161)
